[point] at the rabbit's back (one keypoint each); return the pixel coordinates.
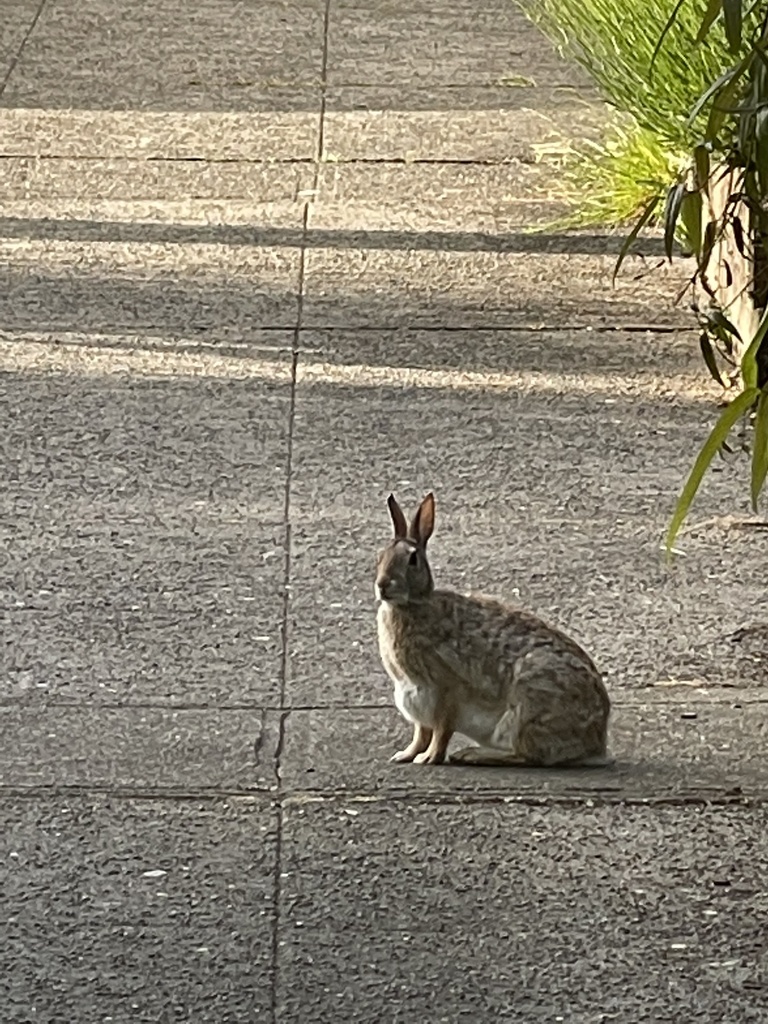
(488, 638)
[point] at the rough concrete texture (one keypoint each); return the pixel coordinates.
(480, 912)
(259, 265)
(122, 908)
(265, 56)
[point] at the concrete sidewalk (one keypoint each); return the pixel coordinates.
(261, 264)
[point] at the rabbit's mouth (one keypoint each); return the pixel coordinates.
(389, 592)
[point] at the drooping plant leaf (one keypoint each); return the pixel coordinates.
(724, 102)
(738, 407)
(701, 166)
(722, 324)
(709, 357)
(760, 448)
(725, 79)
(690, 215)
(675, 198)
(738, 234)
(732, 19)
(710, 237)
(749, 368)
(761, 148)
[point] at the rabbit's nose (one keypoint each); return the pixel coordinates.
(382, 585)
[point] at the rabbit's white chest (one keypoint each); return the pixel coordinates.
(416, 703)
(415, 699)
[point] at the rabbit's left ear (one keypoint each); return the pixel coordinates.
(398, 519)
(423, 523)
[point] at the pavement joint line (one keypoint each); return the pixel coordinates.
(602, 797)
(276, 899)
(274, 974)
(428, 328)
(741, 698)
(17, 56)
(278, 161)
(514, 328)
(306, 161)
(323, 92)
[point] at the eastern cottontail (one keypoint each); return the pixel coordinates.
(528, 694)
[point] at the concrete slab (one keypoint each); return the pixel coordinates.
(402, 285)
(472, 124)
(268, 193)
(266, 56)
(18, 18)
(77, 284)
(146, 749)
(144, 565)
(435, 206)
(665, 750)
(582, 513)
(223, 225)
(638, 365)
(111, 653)
(430, 44)
(136, 909)
(448, 82)
(261, 136)
(93, 445)
(536, 104)
(588, 914)
(418, 431)
(136, 616)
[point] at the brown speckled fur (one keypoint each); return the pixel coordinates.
(526, 692)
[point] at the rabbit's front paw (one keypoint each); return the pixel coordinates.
(404, 756)
(430, 757)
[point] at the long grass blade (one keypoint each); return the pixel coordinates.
(760, 448)
(664, 32)
(738, 407)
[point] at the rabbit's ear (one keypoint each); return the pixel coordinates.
(398, 519)
(423, 523)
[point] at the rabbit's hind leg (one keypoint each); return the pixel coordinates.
(502, 749)
(490, 757)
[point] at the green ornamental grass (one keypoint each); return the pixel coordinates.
(615, 41)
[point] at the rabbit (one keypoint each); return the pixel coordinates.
(526, 693)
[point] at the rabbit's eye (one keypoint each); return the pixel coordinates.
(414, 559)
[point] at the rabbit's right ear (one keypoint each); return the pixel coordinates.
(398, 519)
(423, 523)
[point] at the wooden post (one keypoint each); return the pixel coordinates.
(730, 273)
